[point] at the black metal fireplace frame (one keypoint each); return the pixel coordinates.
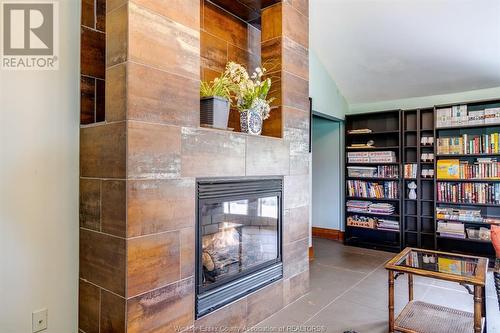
(229, 289)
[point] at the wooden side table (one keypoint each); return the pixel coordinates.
(421, 317)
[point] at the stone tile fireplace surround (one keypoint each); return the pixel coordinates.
(139, 169)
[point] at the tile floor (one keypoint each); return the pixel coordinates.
(348, 291)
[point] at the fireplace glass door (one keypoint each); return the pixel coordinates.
(238, 236)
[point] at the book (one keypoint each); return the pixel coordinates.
(359, 131)
(448, 265)
(410, 170)
(371, 157)
(378, 190)
(468, 193)
(448, 169)
(469, 144)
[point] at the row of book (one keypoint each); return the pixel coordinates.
(459, 115)
(451, 229)
(381, 171)
(411, 170)
(440, 263)
(371, 157)
(469, 144)
(361, 206)
(469, 193)
(370, 222)
(458, 230)
(482, 168)
(379, 190)
(464, 215)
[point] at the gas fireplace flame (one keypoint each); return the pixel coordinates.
(227, 236)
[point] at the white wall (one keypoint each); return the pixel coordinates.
(326, 97)
(426, 101)
(39, 125)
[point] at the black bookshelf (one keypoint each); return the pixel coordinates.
(401, 132)
(467, 245)
(386, 135)
(418, 214)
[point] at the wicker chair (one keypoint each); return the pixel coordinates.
(495, 238)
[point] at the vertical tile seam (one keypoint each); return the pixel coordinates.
(100, 309)
(95, 14)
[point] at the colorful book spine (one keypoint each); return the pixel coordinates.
(379, 190)
(468, 193)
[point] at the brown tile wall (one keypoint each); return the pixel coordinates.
(138, 168)
(92, 61)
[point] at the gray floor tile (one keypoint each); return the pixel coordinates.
(349, 291)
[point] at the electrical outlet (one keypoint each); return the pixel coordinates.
(39, 320)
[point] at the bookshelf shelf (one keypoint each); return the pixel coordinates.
(465, 239)
(371, 199)
(371, 164)
(373, 178)
(466, 204)
(374, 214)
(466, 155)
(375, 229)
(467, 222)
(466, 127)
(373, 133)
(380, 245)
(475, 180)
(386, 134)
(373, 148)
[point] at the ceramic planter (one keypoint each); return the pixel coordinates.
(214, 111)
(251, 122)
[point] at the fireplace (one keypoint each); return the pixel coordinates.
(238, 239)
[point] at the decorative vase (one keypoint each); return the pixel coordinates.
(251, 122)
(214, 111)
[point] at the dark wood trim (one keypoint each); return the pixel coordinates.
(311, 253)
(326, 233)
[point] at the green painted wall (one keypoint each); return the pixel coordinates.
(426, 101)
(326, 97)
(327, 172)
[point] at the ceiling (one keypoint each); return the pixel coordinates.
(380, 50)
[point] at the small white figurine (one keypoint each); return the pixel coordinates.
(413, 194)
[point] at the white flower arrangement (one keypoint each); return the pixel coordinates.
(250, 91)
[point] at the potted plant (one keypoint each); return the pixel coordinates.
(215, 101)
(250, 93)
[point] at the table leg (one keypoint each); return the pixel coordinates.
(478, 309)
(410, 287)
(391, 302)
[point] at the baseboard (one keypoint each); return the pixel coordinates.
(311, 253)
(331, 234)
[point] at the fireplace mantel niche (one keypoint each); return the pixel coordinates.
(139, 168)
